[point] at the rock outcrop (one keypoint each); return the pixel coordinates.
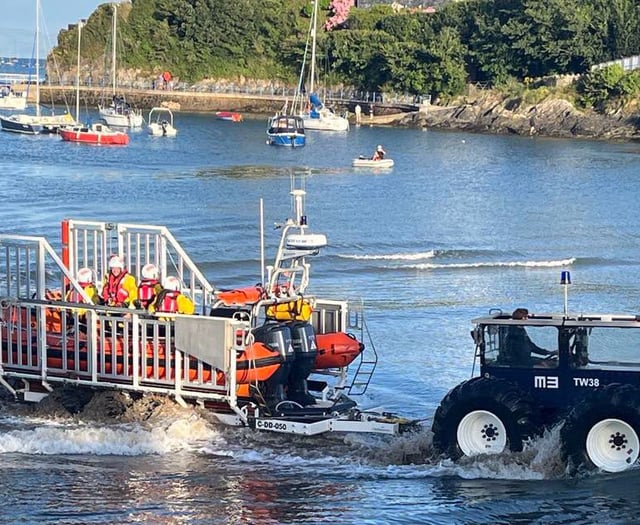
(552, 117)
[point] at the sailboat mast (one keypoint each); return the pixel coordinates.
(38, 58)
(314, 25)
(113, 48)
(78, 75)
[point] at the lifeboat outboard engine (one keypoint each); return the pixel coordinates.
(278, 337)
(303, 338)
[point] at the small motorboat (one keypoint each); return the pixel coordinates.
(96, 133)
(161, 123)
(229, 115)
(366, 162)
(10, 99)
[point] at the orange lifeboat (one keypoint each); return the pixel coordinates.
(258, 362)
(336, 349)
(241, 296)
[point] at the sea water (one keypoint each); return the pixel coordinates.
(462, 223)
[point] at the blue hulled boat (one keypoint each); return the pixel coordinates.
(286, 130)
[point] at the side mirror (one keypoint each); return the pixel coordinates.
(476, 335)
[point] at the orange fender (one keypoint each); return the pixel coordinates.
(336, 350)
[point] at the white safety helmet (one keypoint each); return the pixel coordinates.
(116, 262)
(172, 283)
(379, 148)
(150, 271)
(85, 276)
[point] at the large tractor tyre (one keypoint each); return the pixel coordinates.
(484, 416)
(603, 431)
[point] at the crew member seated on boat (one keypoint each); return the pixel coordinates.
(119, 287)
(171, 300)
(379, 153)
(149, 286)
(85, 280)
(519, 348)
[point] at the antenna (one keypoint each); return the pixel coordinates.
(262, 256)
(565, 281)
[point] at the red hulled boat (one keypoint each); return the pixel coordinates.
(229, 115)
(94, 134)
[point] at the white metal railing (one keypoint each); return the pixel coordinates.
(91, 243)
(48, 339)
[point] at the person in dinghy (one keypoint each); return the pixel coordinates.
(379, 153)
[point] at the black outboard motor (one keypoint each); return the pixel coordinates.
(305, 347)
(277, 336)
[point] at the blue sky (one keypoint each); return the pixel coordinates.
(17, 23)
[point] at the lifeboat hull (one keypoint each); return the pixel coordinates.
(257, 363)
(336, 350)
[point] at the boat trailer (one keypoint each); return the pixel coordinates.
(213, 359)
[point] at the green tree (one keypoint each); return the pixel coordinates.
(445, 66)
(360, 56)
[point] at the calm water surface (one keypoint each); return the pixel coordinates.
(461, 224)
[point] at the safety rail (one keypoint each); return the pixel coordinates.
(47, 338)
(115, 347)
(335, 316)
(90, 244)
(23, 260)
(344, 316)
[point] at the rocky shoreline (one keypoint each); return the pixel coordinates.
(485, 112)
(553, 117)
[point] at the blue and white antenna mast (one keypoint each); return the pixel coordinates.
(565, 281)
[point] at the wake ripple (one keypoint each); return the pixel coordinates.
(172, 429)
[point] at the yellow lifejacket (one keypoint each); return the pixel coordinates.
(299, 310)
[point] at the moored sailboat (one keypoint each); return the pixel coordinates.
(38, 123)
(315, 114)
(119, 112)
(286, 130)
(95, 133)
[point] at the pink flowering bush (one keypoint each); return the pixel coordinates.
(340, 10)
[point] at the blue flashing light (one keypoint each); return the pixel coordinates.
(565, 277)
